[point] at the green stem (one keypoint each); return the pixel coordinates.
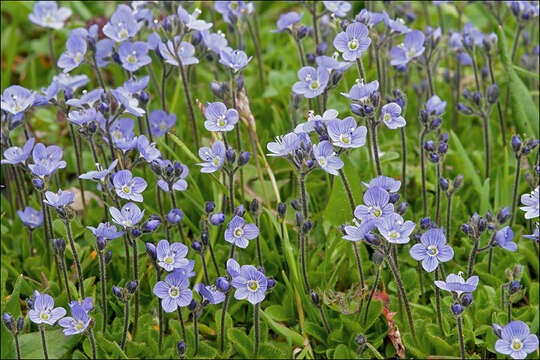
(516, 185)
(75, 256)
(372, 292)
(43, 342)
(438, 303)
(93, 343)
(191, 113)
(256, 325)
(403, 162)
(103, 280)
(126, 324)
(460, 335)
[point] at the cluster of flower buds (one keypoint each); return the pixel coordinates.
(475, 227)
(523, 12)
(15, 327)
(462, 302)
(450, 187)
(168, 171)
(366, 108)
(436, 151)
(521, 148)
(124, 294)
(154, 221)
(495, 222)
(59, 246)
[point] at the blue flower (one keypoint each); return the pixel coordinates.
(74, 55)
(88, 98)
(394, 229)
(213, 157)
(70, 83)
(316, 120)
(214, 41)
(516, 340)
(233, 9)
(353, 41)
(411, 48)
(456, 283)
(339, 8)
(387, 183)
(234, 59)
(60, 199)
(362, 92)
(106, 231)
(210, 293)
(184, 51)
(377, 205)
(104, 52)
(43, 311)
(326, 157)
(239, 233)
(432, 249)
(86, 304)
(180, 184)
(134, 55)
(174, 292)
(175, 216)
(147, 150)
(391, 116)
(284, 145)
(531, 203)
(186, 270)
(434, 106)
(129, 187)
(161, 122)
(130, 103)
(16, 155)
(287, 21)
(504, 238)
(122, 25)
(535, 235)
(312, 82)
(219, 118)
(98, 175)
(358, 232)
(31, 217)
(128, 217)
(16, 99)
(82, 117)
(332, 63)
(395, 26)
(47, 14)
(77, 322)
(250, 283)
(171, 256)
(345, 134)
(190, 20)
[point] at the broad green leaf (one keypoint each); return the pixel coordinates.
(241, 342)
(284, 331)
(469, 170)
(58, 345)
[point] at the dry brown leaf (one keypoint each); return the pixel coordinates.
(393, 330)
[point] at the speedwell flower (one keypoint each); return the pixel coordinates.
(432, 249)
(60, 199)
(161, 122)
(128, 217)
(411, 48)
(516, 340)
(250, 283)
(213, 157)
(174, 292)
(456, 283)
(77, 322)
(105, 231)
(43, 311)
(47, 14)
(122, 25)
(353, 41)
(234, 59)
(326, 157)
(391, 116)
(129, 187)
(75, 50)
(239, 233)
(377, 205)
(394, 229)
(345, 134)
(15, 155)
(16, 99)
(171, 256)
(30, 217)
(210, 293)
(504, 238)
(134, 55)
(219, 118)
(531, 203)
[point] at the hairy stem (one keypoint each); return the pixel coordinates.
(403, 162)
(75, 257)
(438, 303)
(256, 325)
(43, 342)
(372, 292)
(516, 186)
(93, 343)
(126, 324)
(423, 168)
(191, 113)
(103, 281)
(460, 335)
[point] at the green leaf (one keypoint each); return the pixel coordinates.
(277, 312)
(524, 110)
(58, 345)
(284, 331)
(525, 72)
(110, 347)
(343, 352)
(12, 305)
(375, 310)
(469, 168)
(269, 351)
(484, 199)
(241, 342)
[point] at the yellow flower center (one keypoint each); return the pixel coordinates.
(394, 234)
(163, 126)
(238, 232)
(387, 117)
(44, 315)
(314, 85)
(169, 260)
(345, 138)
(78, 57)
(216, 161)
(131, 58)
(126, 189)
(353, 44)
(432, 250)
(411, 52)
(516, 344)
(79, 325)
(377, 211)
(173, 292)
(252, 285)
(221, 121)
(322, 161)
(122, 33)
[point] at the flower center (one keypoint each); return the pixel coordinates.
(345, 138)
(216, 161)
(117, 134)
(411, 52)
(516, 344)
(122, 33)
(233, 5)
(169, 260)
(173, 292)
(394, 234)
(432, 250)
(131, 59)
(221, 121)
(126, 189)
(79, 325)
(127, 222)
(44, 315)
(353, 44)
(252, 285)
(238, 232)
(163, 126)
(78, 57)
(376, 211)
(322, 161)
(387, 117)
(314, 85)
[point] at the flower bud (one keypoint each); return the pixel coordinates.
(443, 148)
(503, 215)
(240, 210)
(132, 286)
(394, 198)
(151, 251)
(150, 225)
(322, 48)
(434, 157)
(377, 258)
(144, 97)
(435, 123)
(457, 309)
(8, 321)
(429, 145)
(424, 116)
(101, 243)
(307, 226)
(360, 340)
(466, 299)
(192, 305)
(30, 303)
(402, 208)
(458, 181)
(196, 38)
(181, 348)
(295, 204)
(514, 287)
(310, 58)
(282, 209)
(464, 109)
(175, 216)
(217, 218)
(223, 284)
(38, 184)
(493, 93)
(497, 330)
(443, 137)
(118, 292)
(209, 207)
(204, 237)
(254, 206)
(425, 223)
(197, 246)
(315, 298)
(302, 32)
(444, 184)
(299, 219)
(20, 324)
(108, 257)
(357, 109)
(244, 158)
(482, 224)
(372, 239)
(477, 98)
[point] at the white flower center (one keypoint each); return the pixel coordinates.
(345, 138)
(44, 315)
(252, 285)
(387, 117)
(169, 260)
(353, 44)
(221, 121)
(78, 57)
(432, 250)
(216, 161)
(394, 234)
(79, 325)
(122, 33)
(126, 189)
(174, 292)
(314, 85)
(411, 52)
(131, 58)
(322, 161)
(516, 344)
(238, 232)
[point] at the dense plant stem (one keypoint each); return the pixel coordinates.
(78, 160)
(503, 287)
(222, 327)
(361, 71)
(438, 200)
(303, 236)
(181, 319)
(323, 318)
(509, 309)
(375, 147)
(423, 168)
(103, 281)
(401, 290)
(189, 104)
(448, 216)
(472, 257)
(43, 342)
(403, 162)
(438, 302)
(75, 257)
(136, 278)
(516, 186)
(256, 332)
(126, 324)
(460, 335)
(17, 346)
(92, 343)
(372, 292)
(258, 243)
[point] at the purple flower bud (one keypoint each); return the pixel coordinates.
(216, 89)
(443, 137)
(8, 321)
(116, 58)
(175, 216)
(464, 109)
(254, 206)
(295, 204)
(30, 303)
(482, 225)
(435, 123)
(217, 218)
(132, 286)
(302, 32)
(240, 210)
(156, 168)
(493, 93)
(196, 38)
(209, 207)
(466, 299)
(357, 109)
(181, 348)
(434, 157)
(197, 246)
(360, 340)
(444, 184)
(497, 330)
(38, 184)
(372, 238)
(322, 48)
(151, 251)
(394, 198)
(150, 225)
(20, 324)
(457, 309)
(270, 283)
(402, 208)
(103, 107)
(477, 98)
(443, 148)
(192, 305)
(108, 257)
(299, 218)
(465, 228)
(118, 292)
(230, 155)
(144, 97)
(514, 287)
(310, 163)
(489, 216)
(136, 232)
(204, 237)
(223, 284)
(424, 116)
(244, 158)
(307, 226)
(310, 58)
(429, 145)
(315, 298)
(425, 223)
(417, 237)
(282, 209)
(101, 243)
(503, 215)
